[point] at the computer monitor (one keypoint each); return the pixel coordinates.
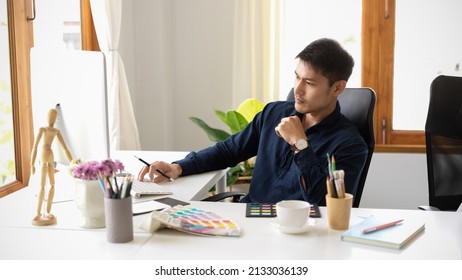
(73, 82)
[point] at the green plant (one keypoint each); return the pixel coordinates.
(236, 120)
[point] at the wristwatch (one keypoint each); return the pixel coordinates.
(300, 144)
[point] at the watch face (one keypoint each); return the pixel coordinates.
(301, 144)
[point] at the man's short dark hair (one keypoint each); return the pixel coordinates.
(329, 58)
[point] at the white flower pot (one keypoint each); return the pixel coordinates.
(89, 199)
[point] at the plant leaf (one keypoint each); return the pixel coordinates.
(249, 108)
(215, 135)
(221, 115)
(235, 121)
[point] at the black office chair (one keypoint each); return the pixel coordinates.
(443, 137)
(357, 104)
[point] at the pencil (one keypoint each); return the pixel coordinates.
(329, 166)
(332, 192)
(157, 170)
(329, 189)
(334, 166)
(165, 175)
(143, 161)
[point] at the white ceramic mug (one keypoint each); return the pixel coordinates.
(292, 213)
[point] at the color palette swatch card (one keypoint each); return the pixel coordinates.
(262, 210)
(190, 219)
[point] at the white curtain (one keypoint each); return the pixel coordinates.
(123, 131)
(256, 50)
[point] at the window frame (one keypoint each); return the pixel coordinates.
(378, 42)
(20, 42)
(89, 38)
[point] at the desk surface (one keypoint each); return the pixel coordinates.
(442, 238)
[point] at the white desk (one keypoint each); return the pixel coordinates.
(442, 238)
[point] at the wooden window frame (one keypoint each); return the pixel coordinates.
(378, 33)
(89, 39)
(20, 42)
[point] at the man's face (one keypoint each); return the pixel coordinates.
(313, 94)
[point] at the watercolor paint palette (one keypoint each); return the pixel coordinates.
(193, 220)
(268, 210)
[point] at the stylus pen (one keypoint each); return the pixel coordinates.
(160, 172)
(383, 226)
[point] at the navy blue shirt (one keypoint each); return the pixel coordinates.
(278, 170)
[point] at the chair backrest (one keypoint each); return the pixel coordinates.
(443, 137)
(357, 104)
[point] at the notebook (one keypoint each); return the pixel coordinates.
(144, 207)
(395, 237)
(141, 188)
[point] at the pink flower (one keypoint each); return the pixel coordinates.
(93, 170)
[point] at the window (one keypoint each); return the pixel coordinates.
(7, 161)
(434, 51)
(61, 29)
(16, 39)
(400, 59)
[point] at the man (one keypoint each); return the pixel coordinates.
(291, 140)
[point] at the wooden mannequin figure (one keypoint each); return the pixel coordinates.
(48, 134)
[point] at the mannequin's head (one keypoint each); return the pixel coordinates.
(52, 114)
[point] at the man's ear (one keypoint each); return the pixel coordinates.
(338, 87)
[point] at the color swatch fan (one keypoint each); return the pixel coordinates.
(192, 220)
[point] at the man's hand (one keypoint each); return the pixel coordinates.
(290, 129)
(172, 170)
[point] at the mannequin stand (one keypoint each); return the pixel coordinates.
(44, 220)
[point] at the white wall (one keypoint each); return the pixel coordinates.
(178, 57)
(396, 181)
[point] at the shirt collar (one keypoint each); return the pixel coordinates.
(329, 121)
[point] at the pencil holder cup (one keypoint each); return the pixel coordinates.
(119, 219)
(338, 211)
